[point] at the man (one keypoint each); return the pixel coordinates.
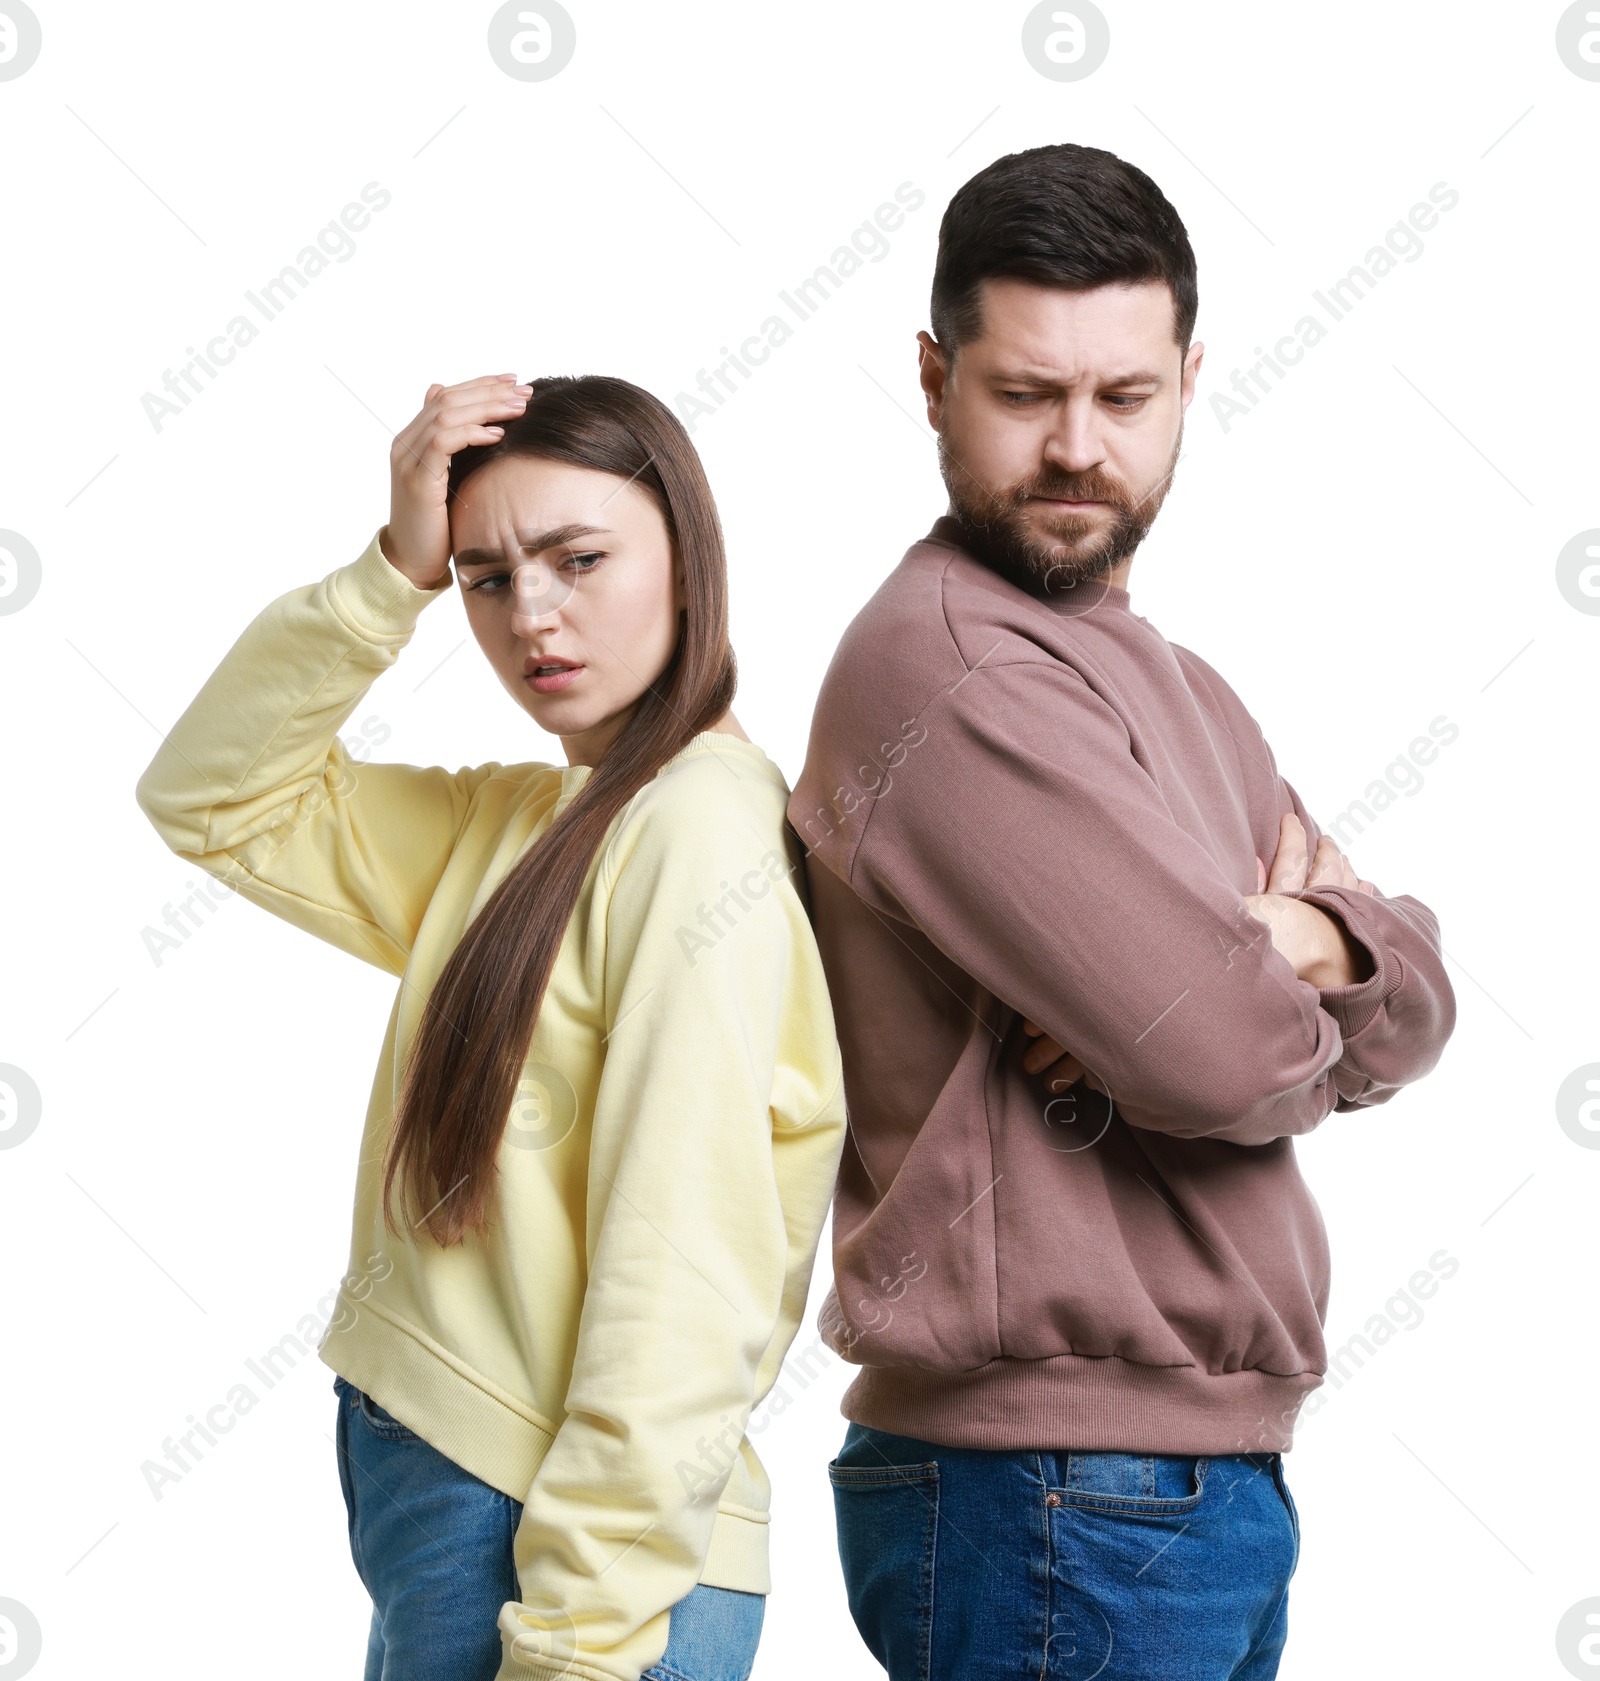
(1093, 969)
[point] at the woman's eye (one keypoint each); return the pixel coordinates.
(583, 562)
(491, 581)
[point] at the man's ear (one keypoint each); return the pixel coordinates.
(1191, 372)
(932, 373)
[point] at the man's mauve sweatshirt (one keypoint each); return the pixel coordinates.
(1023, 808)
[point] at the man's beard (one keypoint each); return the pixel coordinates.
(996, 523)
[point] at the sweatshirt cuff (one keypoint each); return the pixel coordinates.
(551, 1669)
(1355, 1007)
(377, 599)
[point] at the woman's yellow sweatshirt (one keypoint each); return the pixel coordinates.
(665, 1171)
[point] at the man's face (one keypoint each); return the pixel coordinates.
(1059, 426)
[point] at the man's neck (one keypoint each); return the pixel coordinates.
(1117, 576)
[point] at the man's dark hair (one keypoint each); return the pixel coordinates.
(1069, 216)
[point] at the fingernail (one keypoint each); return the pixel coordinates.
(525, 390)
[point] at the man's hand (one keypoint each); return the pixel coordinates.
(1318, 946)
(1063, 1069)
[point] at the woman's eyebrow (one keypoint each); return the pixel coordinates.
(533, 542)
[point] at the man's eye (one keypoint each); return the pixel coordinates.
(1126, 401)
(1022, 399)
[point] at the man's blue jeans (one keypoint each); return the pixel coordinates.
(432, 1545)
(960, 1562)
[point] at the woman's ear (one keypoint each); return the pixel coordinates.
(680, 583)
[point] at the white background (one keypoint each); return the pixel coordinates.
(1372, 547)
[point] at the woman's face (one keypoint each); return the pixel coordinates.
(572, 590)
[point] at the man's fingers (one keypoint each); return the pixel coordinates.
(1288, 872)
(1059, 1067)
(1331, 868)
(1325, 866)
(1041, 1053)
(1067, 1072)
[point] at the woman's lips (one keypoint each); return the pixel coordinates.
(548, 682)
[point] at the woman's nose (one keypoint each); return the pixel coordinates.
(538, 591)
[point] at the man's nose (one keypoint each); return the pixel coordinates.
(1075, 442)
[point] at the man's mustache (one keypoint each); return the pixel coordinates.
(1075, 487)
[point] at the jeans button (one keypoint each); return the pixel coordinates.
(1052, 1500)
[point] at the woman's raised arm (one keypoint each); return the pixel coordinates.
(253, 784)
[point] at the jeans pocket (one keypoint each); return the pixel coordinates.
(888, 1518)
(1132, 1485)
(381, 1423)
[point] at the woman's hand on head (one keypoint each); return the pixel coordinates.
(416, 541)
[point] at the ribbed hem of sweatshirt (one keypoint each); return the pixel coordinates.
(547, 1669)
(1074, 1401)
(486, 1431)
(376, 599)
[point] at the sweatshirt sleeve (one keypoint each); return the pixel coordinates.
(1026, 841)
(1394, 1025)
(688, 1240)
(253, 784)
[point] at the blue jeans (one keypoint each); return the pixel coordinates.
(432, 1545)
(1073, 1566)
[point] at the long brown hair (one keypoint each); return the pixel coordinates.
(467, 1058)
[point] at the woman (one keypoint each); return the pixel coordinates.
(587, 1208)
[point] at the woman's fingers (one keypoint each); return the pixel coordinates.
(484, 382)
(483, 391)
(446, 444)
(449, 422)
(452, 417)
(450, 411)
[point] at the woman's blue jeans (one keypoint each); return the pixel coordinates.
(1070, 1566)
(432, 1545)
